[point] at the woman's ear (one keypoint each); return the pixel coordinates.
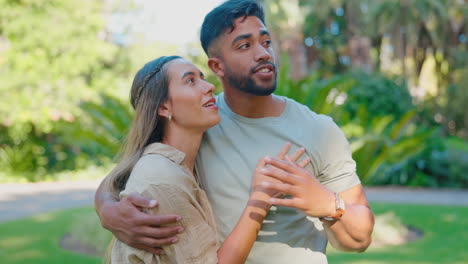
(164, 109)
(216, 66)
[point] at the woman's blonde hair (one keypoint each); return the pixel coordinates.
(150, 89)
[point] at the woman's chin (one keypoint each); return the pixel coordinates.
(212, 121)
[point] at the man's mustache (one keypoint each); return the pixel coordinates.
(253, 69)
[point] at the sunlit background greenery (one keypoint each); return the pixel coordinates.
(391, 73)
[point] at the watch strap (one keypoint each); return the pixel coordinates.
(340, 209)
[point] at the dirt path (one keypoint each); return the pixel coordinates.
(23, 200)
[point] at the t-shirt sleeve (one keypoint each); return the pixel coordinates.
(338, 170)
(197, 244)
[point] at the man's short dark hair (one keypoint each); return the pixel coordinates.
(222, 18)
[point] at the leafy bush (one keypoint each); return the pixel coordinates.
(383, 143)
(380, 96)
(440, 164)
(102, 127)
(379, 139)
(92, 139)
(32, 154)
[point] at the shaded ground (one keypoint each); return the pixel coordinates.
(23, 200)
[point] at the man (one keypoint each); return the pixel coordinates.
(255, 123)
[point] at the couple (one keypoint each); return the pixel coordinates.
(263, 210)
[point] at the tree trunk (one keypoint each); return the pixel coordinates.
(358, 45)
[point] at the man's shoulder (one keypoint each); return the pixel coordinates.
(298, 109)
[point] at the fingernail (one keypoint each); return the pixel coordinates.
(265, 184)
(263, 170)
(174, 240)
(272, 200)
(178, 218)
(180, 229)
(152, 203)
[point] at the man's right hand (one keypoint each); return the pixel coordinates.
(127, 221)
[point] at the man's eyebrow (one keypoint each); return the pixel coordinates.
(240, 37)
(264, 32)
(246, 36)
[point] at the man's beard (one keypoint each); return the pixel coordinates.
(247, 84)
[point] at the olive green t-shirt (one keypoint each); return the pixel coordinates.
(229, 154)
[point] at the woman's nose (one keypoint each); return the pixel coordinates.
(209, 87)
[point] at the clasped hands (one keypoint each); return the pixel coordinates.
(276, 177)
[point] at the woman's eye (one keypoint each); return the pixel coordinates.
(267, 42)
(191, 80)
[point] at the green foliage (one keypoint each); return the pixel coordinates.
(398, 37)
(37, 156)
(322, 96)
(53, 56)
(53, 49)
(379, 139)
(93, 139)
(442, 163)
(380, 96)
(385, 142)
(103, 126)
(457, 96)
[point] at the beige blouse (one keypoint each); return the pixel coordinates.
(160, 174)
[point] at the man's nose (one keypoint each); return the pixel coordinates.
(262, 53)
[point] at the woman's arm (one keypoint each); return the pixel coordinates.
(239, 242)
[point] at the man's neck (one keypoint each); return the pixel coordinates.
(253, 106)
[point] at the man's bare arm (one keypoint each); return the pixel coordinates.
(130, 225)
(352, 232)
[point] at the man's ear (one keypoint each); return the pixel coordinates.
(164, 109)
(216, 66)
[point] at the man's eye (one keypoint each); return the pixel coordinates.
(267, 42)
(244, 46)
(191, 80)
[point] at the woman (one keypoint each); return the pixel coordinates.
(174, 105)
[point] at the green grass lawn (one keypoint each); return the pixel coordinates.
(36, 239)
(445, 238)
